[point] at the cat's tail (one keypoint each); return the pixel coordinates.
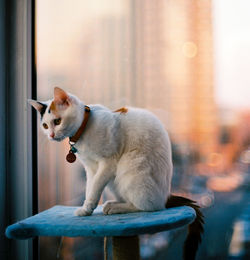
(195, 229)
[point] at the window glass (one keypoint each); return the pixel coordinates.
(180, 60)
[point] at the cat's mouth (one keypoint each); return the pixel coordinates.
(57, 138)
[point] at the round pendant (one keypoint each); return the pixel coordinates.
(70, 157)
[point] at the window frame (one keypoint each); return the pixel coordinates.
(18, 138)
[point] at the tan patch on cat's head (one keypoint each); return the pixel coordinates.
(122, 110)
(52, 107)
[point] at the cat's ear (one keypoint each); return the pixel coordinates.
(60, 97)
(39, 106)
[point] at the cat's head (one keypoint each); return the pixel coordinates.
(61, 116)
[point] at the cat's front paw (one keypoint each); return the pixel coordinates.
(82, 212)
(86, 210)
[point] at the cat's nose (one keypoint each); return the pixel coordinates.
(52, 135)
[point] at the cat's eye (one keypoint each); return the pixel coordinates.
(57, 121)
(45, 126)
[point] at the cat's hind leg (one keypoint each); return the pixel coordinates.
(115, 207)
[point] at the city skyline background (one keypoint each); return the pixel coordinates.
(186, 61)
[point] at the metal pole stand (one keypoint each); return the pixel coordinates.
(126, 248)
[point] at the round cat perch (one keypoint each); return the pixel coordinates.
(123, 228)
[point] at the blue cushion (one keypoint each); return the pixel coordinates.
(60, 221)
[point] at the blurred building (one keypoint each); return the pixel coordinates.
(174, 68)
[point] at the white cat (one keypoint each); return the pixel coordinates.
(127, 150)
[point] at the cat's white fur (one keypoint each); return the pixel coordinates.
(130, 153)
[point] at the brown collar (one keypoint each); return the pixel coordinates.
(73, 139)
